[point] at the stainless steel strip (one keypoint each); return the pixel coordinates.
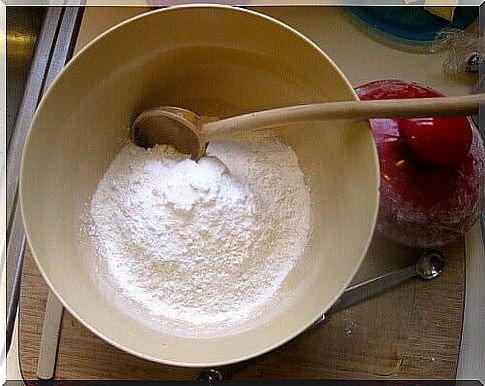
(55, 46)
(16, 247)
(23, 28)
(15, 231)
(62, 52)
(33, 92)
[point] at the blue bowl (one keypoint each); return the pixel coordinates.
(411, 23)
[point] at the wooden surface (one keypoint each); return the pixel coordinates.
(410, 332)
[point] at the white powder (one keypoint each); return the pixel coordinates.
(201, 244)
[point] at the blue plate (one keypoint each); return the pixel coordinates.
(412, 23)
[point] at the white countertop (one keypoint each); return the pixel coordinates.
(362, 58)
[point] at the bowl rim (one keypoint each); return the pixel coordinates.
(82, 52)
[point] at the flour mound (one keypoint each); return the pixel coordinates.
(201, 243)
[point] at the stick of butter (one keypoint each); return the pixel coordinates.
(443, 12)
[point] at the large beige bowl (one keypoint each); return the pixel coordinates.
(216, 61)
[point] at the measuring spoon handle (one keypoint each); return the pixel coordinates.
(369, 288)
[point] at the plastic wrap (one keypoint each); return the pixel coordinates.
(421, 206)
(464, 50)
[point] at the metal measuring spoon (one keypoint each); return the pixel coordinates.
(428, 267)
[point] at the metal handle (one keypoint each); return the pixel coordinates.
(369, 288)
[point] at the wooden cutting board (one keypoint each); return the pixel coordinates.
(410, 332)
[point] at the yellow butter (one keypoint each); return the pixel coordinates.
(443, 12)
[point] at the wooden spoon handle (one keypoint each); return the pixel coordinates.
(392, 108)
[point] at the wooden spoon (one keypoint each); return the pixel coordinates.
(186, 131)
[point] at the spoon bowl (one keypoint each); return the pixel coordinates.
(430, 265)
(178, 127)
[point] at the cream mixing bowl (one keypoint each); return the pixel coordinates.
(217, 61)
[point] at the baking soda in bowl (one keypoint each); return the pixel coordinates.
(195, 246)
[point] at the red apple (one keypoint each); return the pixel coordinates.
(437, 142)
(422, 206)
